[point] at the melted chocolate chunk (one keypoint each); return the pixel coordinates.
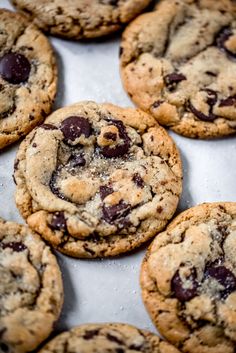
(105, 191)
(48, 127)
(89, 334)
(221, 38)
(138, 180)
(75, 126)
(58, 221)
(177, 286)
(120, 149)
(225, 277)
(77, 161)
(16, 246)
(228, 102)
(114, 213)
(14, 68)
(209, 118)
(173, 79)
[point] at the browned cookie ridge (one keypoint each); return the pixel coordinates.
(81, 18)
(28, 77)
(98, 180)
(108, 338)
(31, 292)
(188, 279)
(179, 64)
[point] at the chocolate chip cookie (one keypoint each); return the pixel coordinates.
(108, 338)
(81, 18)
(28, 77)
(188, 279)
(178, 63)
(31, 292)
(97, 180)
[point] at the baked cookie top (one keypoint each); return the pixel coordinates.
(81, 18)
(98, 180)
(178, 63)
(28, 77)
(108, 338)
(31, 292)
(188, 279)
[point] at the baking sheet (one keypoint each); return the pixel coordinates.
(108, 290)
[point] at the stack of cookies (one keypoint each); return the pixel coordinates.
(97, 180)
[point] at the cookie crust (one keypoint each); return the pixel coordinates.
(111, 337)
(188, 279)
(87, 202)
(31, 289)
(81, 19)
(24, 104)
(178, 63)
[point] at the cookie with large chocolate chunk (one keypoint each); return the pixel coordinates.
(179, 64)
(31, 292)
(98, 180)
(108, 338)
(28, 77)
(81, 18)
(188, 279)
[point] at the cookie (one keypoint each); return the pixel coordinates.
(83, 18)
(108, 338)
(178, 63)
(31, 292)
(97, 180)
(188, 280)
(28, 77)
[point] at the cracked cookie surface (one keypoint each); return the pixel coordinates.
(179, 64)
(108, 338)
(188, 279)
(81, 19)
(28, 77)
(31, 292)
(98, 180)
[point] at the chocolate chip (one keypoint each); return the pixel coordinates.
(171, 80)
(105, 191)
(119, 350)
(211, 97)
(228, 102)
(221, 38)
(48, 127)
(16, 246)
(14, 68)
(53, 184)
(182, 293)
(77, 161)
(58, 221)
(121, 51)
(120, 149)
(210, 73)
(89, 334)
(75, 126)
(110, 136)
(4, 348)
(209, 118)
(113, 338)
(138, 180)
(16, 163)
(157, 103)
(225, 277)
(113, 213)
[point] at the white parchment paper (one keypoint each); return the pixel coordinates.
(108, 290)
